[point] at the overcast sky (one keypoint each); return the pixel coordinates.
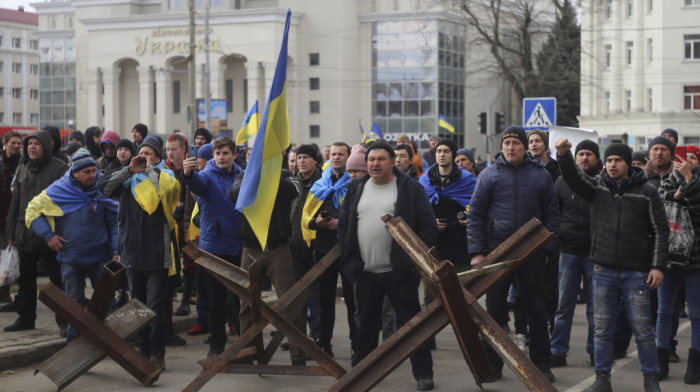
(13, 4)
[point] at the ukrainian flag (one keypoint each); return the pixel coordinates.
(443, 123)
(250, 125)
(262, 177)
(375, 133)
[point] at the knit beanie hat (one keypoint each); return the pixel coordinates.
(673, 133)
(666, 142)
(110, 137)
(589, 145)
(126, 143)
(621, 150)
(467, 153)
(515, 131)
(308, 150)
(203, 132)
(72, 147)
(152, 142)
(206, 152)
(380, 144)
(77, 135)
(640, 156)
(450, 144)
(693, 150)
(357, 158)
(80, 160)
(544, 135)
(142, 129)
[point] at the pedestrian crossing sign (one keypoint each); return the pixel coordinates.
(539, 113)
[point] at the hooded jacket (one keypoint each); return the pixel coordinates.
(411, 205)
(629, 229)
(106, 164)
(93, 148)
(31, 178)
(220, 221)
(56, 137)
(297, 244)
(506, 197)
(691, 199)
(8, 167)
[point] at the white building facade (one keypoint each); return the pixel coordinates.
(19, 71)
(640, 69)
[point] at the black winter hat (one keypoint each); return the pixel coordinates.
(204, 132)
(450, 144)
(621, 150)
(128, 144)
(515, 131)
(308, 150)
(77, 135)
(666, 142)
(589, 145)
(153, 144)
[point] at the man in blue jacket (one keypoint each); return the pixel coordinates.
(65, 214)
(374, 262)
(219, 228)
(507, 195)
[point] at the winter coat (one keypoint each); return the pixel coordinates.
(30, 179)
(575, 226)
(297, 244)
(8, 167)
(326, 239)
(144, 239)
(506, 198)
(90, 232)
(220, 222)
(629, 229)
(691, 199)
(411, 205)
(280, 227)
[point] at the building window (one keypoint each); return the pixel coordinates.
(2, 92)
(0, 40)
(34, 94)
(176, 96)
(694, 140)
(608, 56)
(650, 100)
(34, 118)
(17, 43)
(2, 117)
(2, 67)
(314, 83)
(245, 95)
(155, 99)
(34, 69)
(314, 107)
(33, 44)
(692, 46)
(608, 9)
(17, 93)
(174, 4)
(628, 52)
(314, 131)
(628, 100)
(630, 7)
(314, 59)
(650, 50)
(16, 68)
(16, 118)
(606, 102)
(229, 95)
(691, 97)
(650, 4)
(692, 2)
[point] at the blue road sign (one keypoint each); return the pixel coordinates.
(539, 113)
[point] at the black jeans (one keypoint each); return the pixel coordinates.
(151, 288)
(530, 275)
(27, 281)
(325, 321)
(217, 306)
(370, 290)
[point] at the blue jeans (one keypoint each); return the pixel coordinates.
(668, 293)
(151, 288)
(611, 285)
(73, 276)
(571, 269)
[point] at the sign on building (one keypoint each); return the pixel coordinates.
(539, 113)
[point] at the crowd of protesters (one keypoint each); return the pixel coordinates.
(140, 200)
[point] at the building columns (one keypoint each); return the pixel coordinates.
(94, 114)
(110, 78)
(164, 99)
(256, 84)
(145, 96)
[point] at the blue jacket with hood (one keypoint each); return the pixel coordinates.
(220, 221)
(505, 198)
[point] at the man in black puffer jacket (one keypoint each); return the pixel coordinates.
(629, 247)
(507, 195)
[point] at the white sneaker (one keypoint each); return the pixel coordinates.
(520, 341)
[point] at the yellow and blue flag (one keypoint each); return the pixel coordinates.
(250, 125)
(375, 133)
(320, 190)
(262, 177)
(443, 123)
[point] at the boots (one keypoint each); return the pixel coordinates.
(602, 383)
(651, 383)
(662, 358)
(692, 372)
